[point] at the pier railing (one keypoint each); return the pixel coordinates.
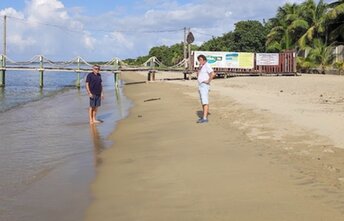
(78, 65)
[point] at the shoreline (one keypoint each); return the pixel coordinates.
(163, 164)
(49, 154)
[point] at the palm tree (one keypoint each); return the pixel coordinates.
(335, 17)
(315, 16)
(320, 54)
(337, 8)
(286, 27)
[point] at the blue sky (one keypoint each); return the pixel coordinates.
(104, 29)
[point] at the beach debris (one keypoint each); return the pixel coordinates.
(136, 82)
(331, 168)
(152, 99)
(289, 148)
(304, 153)
(328, 150)
(139, 116)
(341, 179)
(281, 91)
(321, 95)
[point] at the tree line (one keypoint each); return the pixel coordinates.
(309, 28)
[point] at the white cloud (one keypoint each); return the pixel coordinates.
(21, 42)
(89, 41)
(45, 27)
(121, 33)
(122, 40)
(11, 12)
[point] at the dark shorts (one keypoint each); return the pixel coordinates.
(95, 101)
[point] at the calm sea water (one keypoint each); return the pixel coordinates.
(22, 87)
(48, 150)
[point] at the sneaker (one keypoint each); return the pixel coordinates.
(201, 121)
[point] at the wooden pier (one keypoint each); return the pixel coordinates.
(286, 66)
(78, 65)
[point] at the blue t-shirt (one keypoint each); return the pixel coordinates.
(95, 83)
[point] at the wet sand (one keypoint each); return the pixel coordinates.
(49, 154)
(164, 166)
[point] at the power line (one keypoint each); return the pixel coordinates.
(202, 33)
(96, 30)
(46, 24)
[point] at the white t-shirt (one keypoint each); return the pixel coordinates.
(204, 72)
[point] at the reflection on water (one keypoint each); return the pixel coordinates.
(2, 93)
(98, 144)
(49, 151)
(119, 96)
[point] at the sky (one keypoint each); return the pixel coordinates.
(104, 29)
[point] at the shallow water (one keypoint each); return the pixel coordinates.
(23, 87)
(49, 152)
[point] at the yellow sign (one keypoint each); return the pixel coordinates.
(246, 60)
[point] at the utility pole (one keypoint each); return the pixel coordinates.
(5, 35)
(189, 52)
(185, 53)
(3, 57)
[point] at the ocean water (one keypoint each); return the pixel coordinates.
(48, 150)
(23, 86)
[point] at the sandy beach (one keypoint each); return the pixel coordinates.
(272, 150)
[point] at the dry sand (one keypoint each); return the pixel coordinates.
(265, 154)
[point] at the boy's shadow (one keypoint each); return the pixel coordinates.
(200, 114)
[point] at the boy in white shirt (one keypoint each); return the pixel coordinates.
(204, 76)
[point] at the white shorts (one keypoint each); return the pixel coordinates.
(203, 89)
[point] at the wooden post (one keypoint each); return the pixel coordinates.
(2, 71)
(149, 75)
(116, 78)
(151, 72)
(41, 72)
(78, 71)
(294, 63)
(116, 73)
(154, 71)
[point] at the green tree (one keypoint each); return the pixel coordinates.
(222, 43)
(287, 27)
(177, 54)
(335, 17)
(249, 36)
(138, 61)
(169, 56)
(160, 52)
(320, 55)
(314, 14)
